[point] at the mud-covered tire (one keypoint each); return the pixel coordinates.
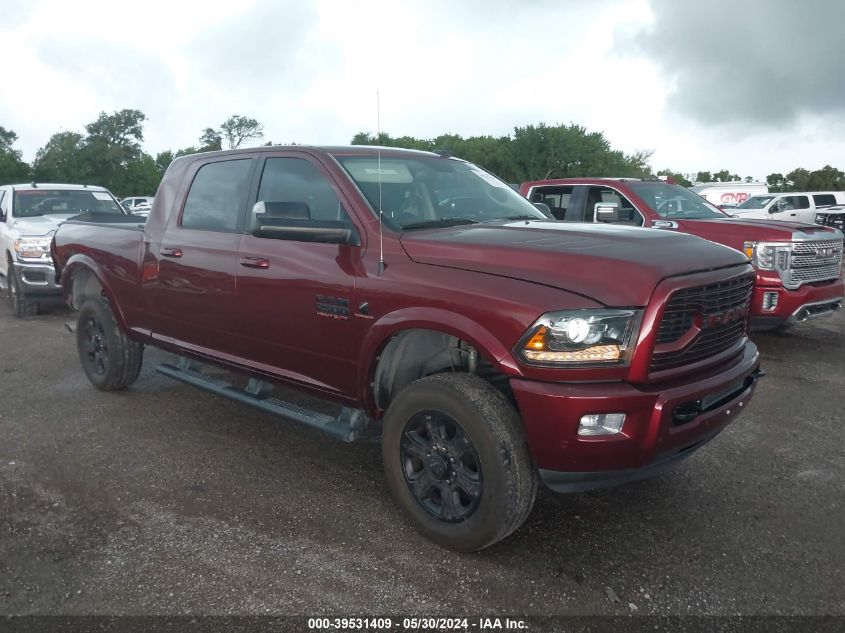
(110, 359)
(21, 306)
(499, 474)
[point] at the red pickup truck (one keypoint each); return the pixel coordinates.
(487, 346)
(798, 265)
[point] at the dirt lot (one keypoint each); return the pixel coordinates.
(166, 499)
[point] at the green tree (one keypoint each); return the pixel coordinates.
(210, 140)
(798, 180)
(12, 168)
(704, 176)
(60, 159)
(237, 129)
(676, 177)
(163, 160)
(776, 181)
(725, 176)
(826, 179)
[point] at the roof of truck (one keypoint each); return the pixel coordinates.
(53, 186)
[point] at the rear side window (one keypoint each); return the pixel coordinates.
(556, 198)
(217, 196)
(824, 199)
(300, 189)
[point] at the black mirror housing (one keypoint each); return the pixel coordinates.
(324, 231)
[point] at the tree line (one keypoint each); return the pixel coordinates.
(109, 153)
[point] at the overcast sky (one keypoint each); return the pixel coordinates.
(754, 86)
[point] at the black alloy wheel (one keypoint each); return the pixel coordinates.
(441, 466)
(95, 347)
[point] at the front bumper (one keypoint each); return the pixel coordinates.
(794, 306)
(38, 281)
(662, 425)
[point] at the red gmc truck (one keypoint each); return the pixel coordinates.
(488, 347)
(798, 265)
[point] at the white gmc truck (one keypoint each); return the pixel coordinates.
(29, 215)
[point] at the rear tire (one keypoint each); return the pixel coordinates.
(456, 461)
(110, 359)
(21, 307)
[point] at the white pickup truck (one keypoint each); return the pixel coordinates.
(789, 207)
(29, 215)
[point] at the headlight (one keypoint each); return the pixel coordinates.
(768, 255)
(577, 337)
(33, 247)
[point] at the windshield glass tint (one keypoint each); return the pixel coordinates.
(755, 202)
(673, 202)
(432, 190)
(30, 203)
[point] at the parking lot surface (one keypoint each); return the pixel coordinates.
(164, 499)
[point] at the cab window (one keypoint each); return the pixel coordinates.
(294, 188)
(217, 196)
(556, 198)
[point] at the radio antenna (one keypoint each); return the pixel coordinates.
(380, 224)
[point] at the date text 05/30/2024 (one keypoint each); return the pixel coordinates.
(417, 624)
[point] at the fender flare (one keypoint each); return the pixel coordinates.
(436, 319)
(82, 263)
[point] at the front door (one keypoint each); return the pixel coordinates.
(296, 300)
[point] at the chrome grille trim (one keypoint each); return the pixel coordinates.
(812, 260)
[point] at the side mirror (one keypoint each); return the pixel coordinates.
(325, 231)
(606, 212)
(778, 206)
(543, 208)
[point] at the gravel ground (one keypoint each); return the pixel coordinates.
(167, 500)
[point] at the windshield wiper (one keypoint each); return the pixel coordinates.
(442, 222)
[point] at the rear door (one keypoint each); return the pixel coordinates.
(296, 300)
(193, 297)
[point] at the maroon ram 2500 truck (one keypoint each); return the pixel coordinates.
(798, 265)
(487, 346)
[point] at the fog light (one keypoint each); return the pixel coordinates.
(601, 424)
(770, 301)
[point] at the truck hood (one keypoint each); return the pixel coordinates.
(38, 226)
(734, 232)
(614, 265)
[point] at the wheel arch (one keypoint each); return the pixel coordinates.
(83, 278)
(411, 343)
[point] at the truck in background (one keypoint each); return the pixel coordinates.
(798, 265)
(29, 215)
(788, 207)
(727, 195)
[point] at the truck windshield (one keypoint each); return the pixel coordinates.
(420, 192)
(755, 202)
(673, 202)
(30, 203)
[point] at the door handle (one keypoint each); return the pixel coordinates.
(169, 251)
(255, 262)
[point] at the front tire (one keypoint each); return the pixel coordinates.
(110, 359)
(456, 462)
(21, 307)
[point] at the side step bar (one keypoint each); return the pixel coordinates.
(349, 426)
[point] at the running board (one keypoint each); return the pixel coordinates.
(350, 425)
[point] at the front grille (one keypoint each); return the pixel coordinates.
(717, 312)
(813, 261)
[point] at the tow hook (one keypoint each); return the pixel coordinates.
(758, 373)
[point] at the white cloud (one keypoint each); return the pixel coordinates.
(309, 72)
